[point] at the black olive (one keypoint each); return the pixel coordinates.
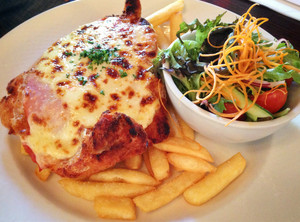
(190, 67)
(216, 38)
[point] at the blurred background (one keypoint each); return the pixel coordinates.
(15, 12)
(284, 15)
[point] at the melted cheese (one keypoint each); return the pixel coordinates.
(119, 85)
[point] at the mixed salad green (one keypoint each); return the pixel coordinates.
(230, 70)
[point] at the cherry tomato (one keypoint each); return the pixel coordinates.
(230, 108)
(289, 81)
(273, 100)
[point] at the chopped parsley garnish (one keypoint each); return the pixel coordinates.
(90, 66)
(99, 55)
(122, 73)
(68, 53)
(93, 77)
(67, 75)
(102, 92)
(90, 42)
(82, 80)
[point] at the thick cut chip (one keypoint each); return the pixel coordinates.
(186, 142)
(146, 159)
(159, 163)
(167, 192)
(164, 14)
(215, 182)
(115, 208)
(124, 175)
(162, 38)
(184, 146)
(134, 162)
(175, 129)
(185, 128)
(189, 163)
(175, 21)
(89, 190)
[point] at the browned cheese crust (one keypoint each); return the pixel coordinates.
(33, 102)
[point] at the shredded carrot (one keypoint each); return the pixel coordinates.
(245, 61)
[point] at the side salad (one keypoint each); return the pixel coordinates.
(230, 70)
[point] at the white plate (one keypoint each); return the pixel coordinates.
(269, 189)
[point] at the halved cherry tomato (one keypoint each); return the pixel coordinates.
(289, 81)
(230, 108)
(273, 100)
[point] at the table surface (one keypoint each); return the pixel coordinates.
(278, 25)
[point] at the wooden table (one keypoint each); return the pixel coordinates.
(279, 26)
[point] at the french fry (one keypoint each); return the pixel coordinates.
(215, 182)
(166, 192)
(89, 190)
(173, 145)
(159, 163)
(175, 21)
(185, 128)
(124, 175)
(164, 14)
(42, 174)
(162, 40)
(147, 163)
(189, 163)
(186, 142)
(115, 208)
(134, 162)
(175, 130)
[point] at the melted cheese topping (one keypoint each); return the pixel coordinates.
(86, 90)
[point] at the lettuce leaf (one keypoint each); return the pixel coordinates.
(185, 84)
(277, 74)
(292, 58)
(202, 30)
(220, 107)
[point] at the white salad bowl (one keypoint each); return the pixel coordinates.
(213, 126)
